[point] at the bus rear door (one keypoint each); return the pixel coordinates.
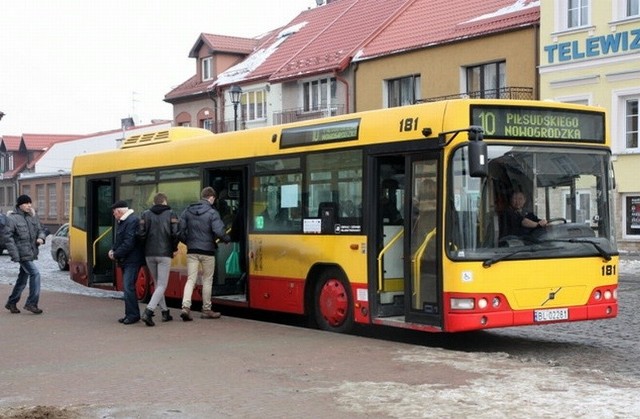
(101, 193)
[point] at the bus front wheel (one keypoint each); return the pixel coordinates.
(333, 305)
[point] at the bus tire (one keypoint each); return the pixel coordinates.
(332, 301)
(143, 285)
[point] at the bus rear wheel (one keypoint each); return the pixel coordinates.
(143, 285)
(333, 305)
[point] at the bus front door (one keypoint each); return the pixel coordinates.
(100, 231)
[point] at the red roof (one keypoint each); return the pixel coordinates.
(42, 142)
(326, 39)
(216, 44)
(331, 36)
(10, 143)
(433, 22)
(223, 43)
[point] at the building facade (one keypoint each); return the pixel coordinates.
(590, 54)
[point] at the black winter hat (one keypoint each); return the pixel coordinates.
(120, 204)
(23, 199)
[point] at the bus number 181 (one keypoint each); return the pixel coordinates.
(608, 270)
(408, 124)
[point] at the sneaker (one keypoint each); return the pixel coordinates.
(12, 308)
(210, 314)
(33, 309)
(185, 315)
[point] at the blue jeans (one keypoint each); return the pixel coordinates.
(131, 307)
(28, 270)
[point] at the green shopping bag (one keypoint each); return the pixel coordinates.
(232, 265)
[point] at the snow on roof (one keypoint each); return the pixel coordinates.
(518, 6)
(239, 71)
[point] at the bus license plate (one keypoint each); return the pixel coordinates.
(551, 315)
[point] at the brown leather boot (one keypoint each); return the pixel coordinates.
(210, 314)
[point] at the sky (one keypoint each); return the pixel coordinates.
(78, 66)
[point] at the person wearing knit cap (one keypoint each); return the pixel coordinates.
(23, 234)
(129, 255)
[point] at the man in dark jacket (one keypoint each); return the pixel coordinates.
(200, 226)
(159, 230)
(23, 235)
(130, 257)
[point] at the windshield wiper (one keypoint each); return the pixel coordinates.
(487, 263)
(605, 255)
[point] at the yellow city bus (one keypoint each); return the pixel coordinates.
(393, 217)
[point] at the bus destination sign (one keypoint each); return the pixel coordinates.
(320, 133)
(542, 124)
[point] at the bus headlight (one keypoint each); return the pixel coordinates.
(462, 303)
(482, 303)
(607, 295)
(597, 295)
(495, 302)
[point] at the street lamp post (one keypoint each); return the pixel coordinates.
(234, 94)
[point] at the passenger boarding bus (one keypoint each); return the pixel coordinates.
(395, 217)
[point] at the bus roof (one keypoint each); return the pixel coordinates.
(187, 145)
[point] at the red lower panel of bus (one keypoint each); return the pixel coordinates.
(277, 294)
(476, 319)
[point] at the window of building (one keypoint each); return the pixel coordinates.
(66, 194)
(631, 123)
(625, 117)
(319, 95)
(573, 14)
(41, 200)
(207, 71)
(254, 105)
(577, 13)
(632, 8)
(9, 196)
(486, 80)
(207, 124)
(631, 216)
(53, 201)
(403, 91)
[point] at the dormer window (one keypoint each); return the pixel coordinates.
(207, 72)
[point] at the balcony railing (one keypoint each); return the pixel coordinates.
(298, 114)
(521, 93)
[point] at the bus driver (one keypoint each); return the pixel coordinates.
(516, 220)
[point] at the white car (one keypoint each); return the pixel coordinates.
(60, 247)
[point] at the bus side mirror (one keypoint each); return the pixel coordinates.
(478, 159)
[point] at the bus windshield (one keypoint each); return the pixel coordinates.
(535, 203)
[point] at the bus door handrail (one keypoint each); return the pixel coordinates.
(417, 257)
(95, 243)
(381, 254)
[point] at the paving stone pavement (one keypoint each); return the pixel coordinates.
(78, 358)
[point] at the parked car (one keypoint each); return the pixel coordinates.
(60, 247)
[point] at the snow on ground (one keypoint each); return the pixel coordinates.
(52, 278)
